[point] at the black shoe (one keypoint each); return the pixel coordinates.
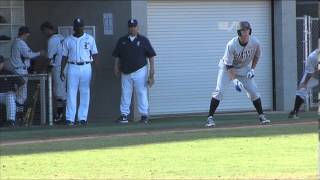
(83, 122)
(11, 123)
(293, 115)
(144, 119)
(123, 119)
(69, 123)
(58, 119)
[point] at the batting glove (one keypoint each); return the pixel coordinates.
(237, 85)
(250, 74)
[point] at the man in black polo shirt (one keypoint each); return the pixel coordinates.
(131, 53)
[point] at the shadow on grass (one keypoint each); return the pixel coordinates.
(108, 130)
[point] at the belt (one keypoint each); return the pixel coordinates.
(80, 63)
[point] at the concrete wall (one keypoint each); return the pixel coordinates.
(285, 51)
(105, 91)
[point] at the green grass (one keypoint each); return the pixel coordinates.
(276, 152)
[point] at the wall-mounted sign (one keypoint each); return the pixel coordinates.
(107, 24)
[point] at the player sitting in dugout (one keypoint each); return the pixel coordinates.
(8, 86)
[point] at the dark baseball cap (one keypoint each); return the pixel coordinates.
(132, 23)
(23, 30)
(78, 22)
(46, 25)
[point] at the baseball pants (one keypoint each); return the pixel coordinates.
(22, 92)
(224, 80)
(303, 93)
(78, 77)
(9, 99)
(59, 86)
(137, 81)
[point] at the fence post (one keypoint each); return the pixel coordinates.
(43, 99)
(50, 116)
(307, 46)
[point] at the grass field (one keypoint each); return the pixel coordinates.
(171, 148)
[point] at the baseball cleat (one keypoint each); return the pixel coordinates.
(144, 119)
(83, 122)
(210, 122)
(11, 123)
(293, 115)
(69, 123)
(263, 120)
(123, 119)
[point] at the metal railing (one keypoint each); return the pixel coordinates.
(38, 85)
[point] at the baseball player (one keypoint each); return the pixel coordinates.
(55, 41)
(7, 91)
(21, 54)
(237, 65)
(131, 53)
(79, 51)
(308, 81)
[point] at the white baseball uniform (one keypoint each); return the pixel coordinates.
(311, 64)
(55, 55)
(79, 51)
(21, 54)
(9, 99)
(240, 57)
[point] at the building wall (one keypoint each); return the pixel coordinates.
(106, 88)
(285, 54)
(105, 91)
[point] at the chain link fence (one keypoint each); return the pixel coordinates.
(307, 40)
(37, 108)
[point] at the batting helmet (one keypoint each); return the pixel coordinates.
(243, 25)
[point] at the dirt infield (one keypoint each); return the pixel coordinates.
(155, 132)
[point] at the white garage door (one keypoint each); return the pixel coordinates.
(189, 38)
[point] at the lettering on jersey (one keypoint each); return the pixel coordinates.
(243, 56)
(86, 45)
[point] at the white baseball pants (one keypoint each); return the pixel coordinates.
(22, 91)
(59, 86)
(303, 93)
(137, 81)
(78, 77)
(9, 99)
(224, 79)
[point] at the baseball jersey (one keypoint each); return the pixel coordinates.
(312, 61)
(55, 49)
(240, 57)
(21, 54)
(79, 49)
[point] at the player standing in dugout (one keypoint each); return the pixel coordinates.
(21, 55)
(55, 41)
(79, 51)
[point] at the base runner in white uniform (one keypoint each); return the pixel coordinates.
(79, 51)
(309, 80)
(237, 66)
(55, 41)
